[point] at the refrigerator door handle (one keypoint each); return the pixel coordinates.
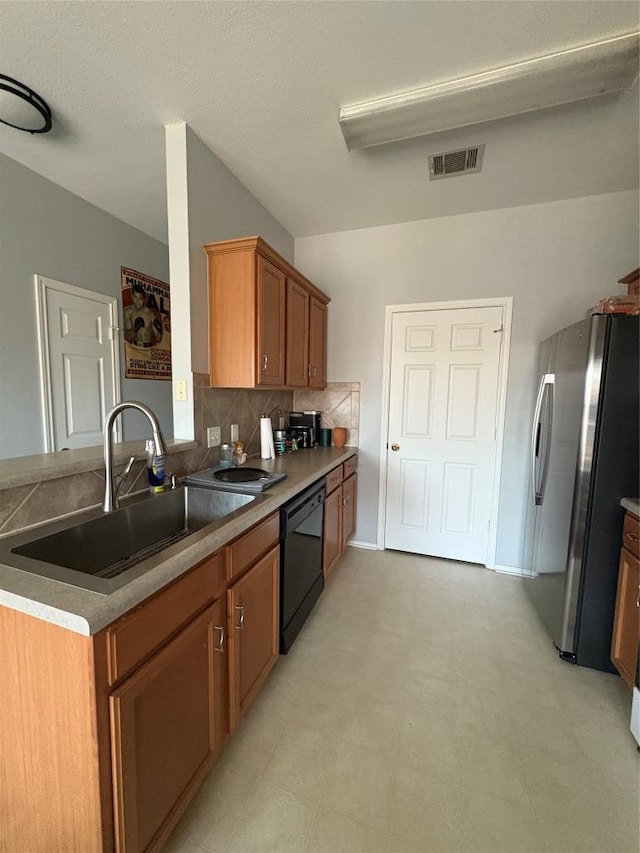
(545, 380)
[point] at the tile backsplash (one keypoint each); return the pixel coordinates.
(339, 404)
(23, 506)
(225, 406)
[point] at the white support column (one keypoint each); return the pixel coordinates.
(179, 276)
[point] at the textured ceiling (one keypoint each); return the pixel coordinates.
(261, 83)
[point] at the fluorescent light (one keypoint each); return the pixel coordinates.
(559, 78)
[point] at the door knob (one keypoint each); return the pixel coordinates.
(395, 447)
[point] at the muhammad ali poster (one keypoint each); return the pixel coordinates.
(147, 326)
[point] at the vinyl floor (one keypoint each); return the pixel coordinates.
(422, 709)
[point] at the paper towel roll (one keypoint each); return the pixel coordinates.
(267, 449)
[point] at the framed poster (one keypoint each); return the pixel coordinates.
(146, 309)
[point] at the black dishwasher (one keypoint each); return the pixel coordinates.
(301, 579)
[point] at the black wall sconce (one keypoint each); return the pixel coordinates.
(22, 108)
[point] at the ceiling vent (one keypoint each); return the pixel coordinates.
(451, 163)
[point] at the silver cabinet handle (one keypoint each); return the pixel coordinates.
(220, 646)
(638, 598)
(241, 609)
(309, 370)
(631, 537)
(265, 359)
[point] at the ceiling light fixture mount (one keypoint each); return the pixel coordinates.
(22, 108)
(535, 84)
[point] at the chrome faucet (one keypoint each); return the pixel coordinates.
(159, 447)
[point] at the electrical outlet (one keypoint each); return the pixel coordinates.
(213, 436)
(181, 389)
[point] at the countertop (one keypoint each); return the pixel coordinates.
(87, 612)
(632, 504)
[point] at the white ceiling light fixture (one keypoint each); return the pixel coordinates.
(559, 78)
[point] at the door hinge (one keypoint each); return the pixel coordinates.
(113, 332)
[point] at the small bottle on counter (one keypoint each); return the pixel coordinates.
(155, 468)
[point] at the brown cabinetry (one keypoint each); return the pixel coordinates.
(253, 631)
(267, 322)
(626, 626)
(348, 509)
(163, 729)
(339, 513)
(317, 369)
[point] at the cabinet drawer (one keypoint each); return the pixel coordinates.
(350, 466)
(334, 478)
(252, 545)
(631, 534)
(135, 636)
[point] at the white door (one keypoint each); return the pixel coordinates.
(442, 431)
(79, 363)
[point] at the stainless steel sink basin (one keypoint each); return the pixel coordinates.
(96, 553)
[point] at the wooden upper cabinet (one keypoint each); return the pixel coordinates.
(267, 322)
(270, 314)
(317, 343)
(297, 372)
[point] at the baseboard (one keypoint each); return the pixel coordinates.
(508, 570)
(355, 544)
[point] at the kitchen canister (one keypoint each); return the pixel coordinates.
(324, 437)
(339, 436)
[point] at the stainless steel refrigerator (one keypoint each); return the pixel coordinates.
(584, 459)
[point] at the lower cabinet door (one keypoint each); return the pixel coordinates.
(163, 734)
(253, 604)
(626, 626)
(349, 494)
(332, 533)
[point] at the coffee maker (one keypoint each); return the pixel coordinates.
(307, 422)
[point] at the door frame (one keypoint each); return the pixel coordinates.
(506, 304)
(42, 285)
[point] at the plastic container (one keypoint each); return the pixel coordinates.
(226, 456)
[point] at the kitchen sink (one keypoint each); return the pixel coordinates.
(100, 552)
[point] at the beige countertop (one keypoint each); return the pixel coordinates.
(88, 612)
(632, 504)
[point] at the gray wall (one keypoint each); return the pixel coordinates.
(48, 231)
(555, 259)
(220, 208)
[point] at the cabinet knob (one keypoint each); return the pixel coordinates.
(395, 447)
(220, 646)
